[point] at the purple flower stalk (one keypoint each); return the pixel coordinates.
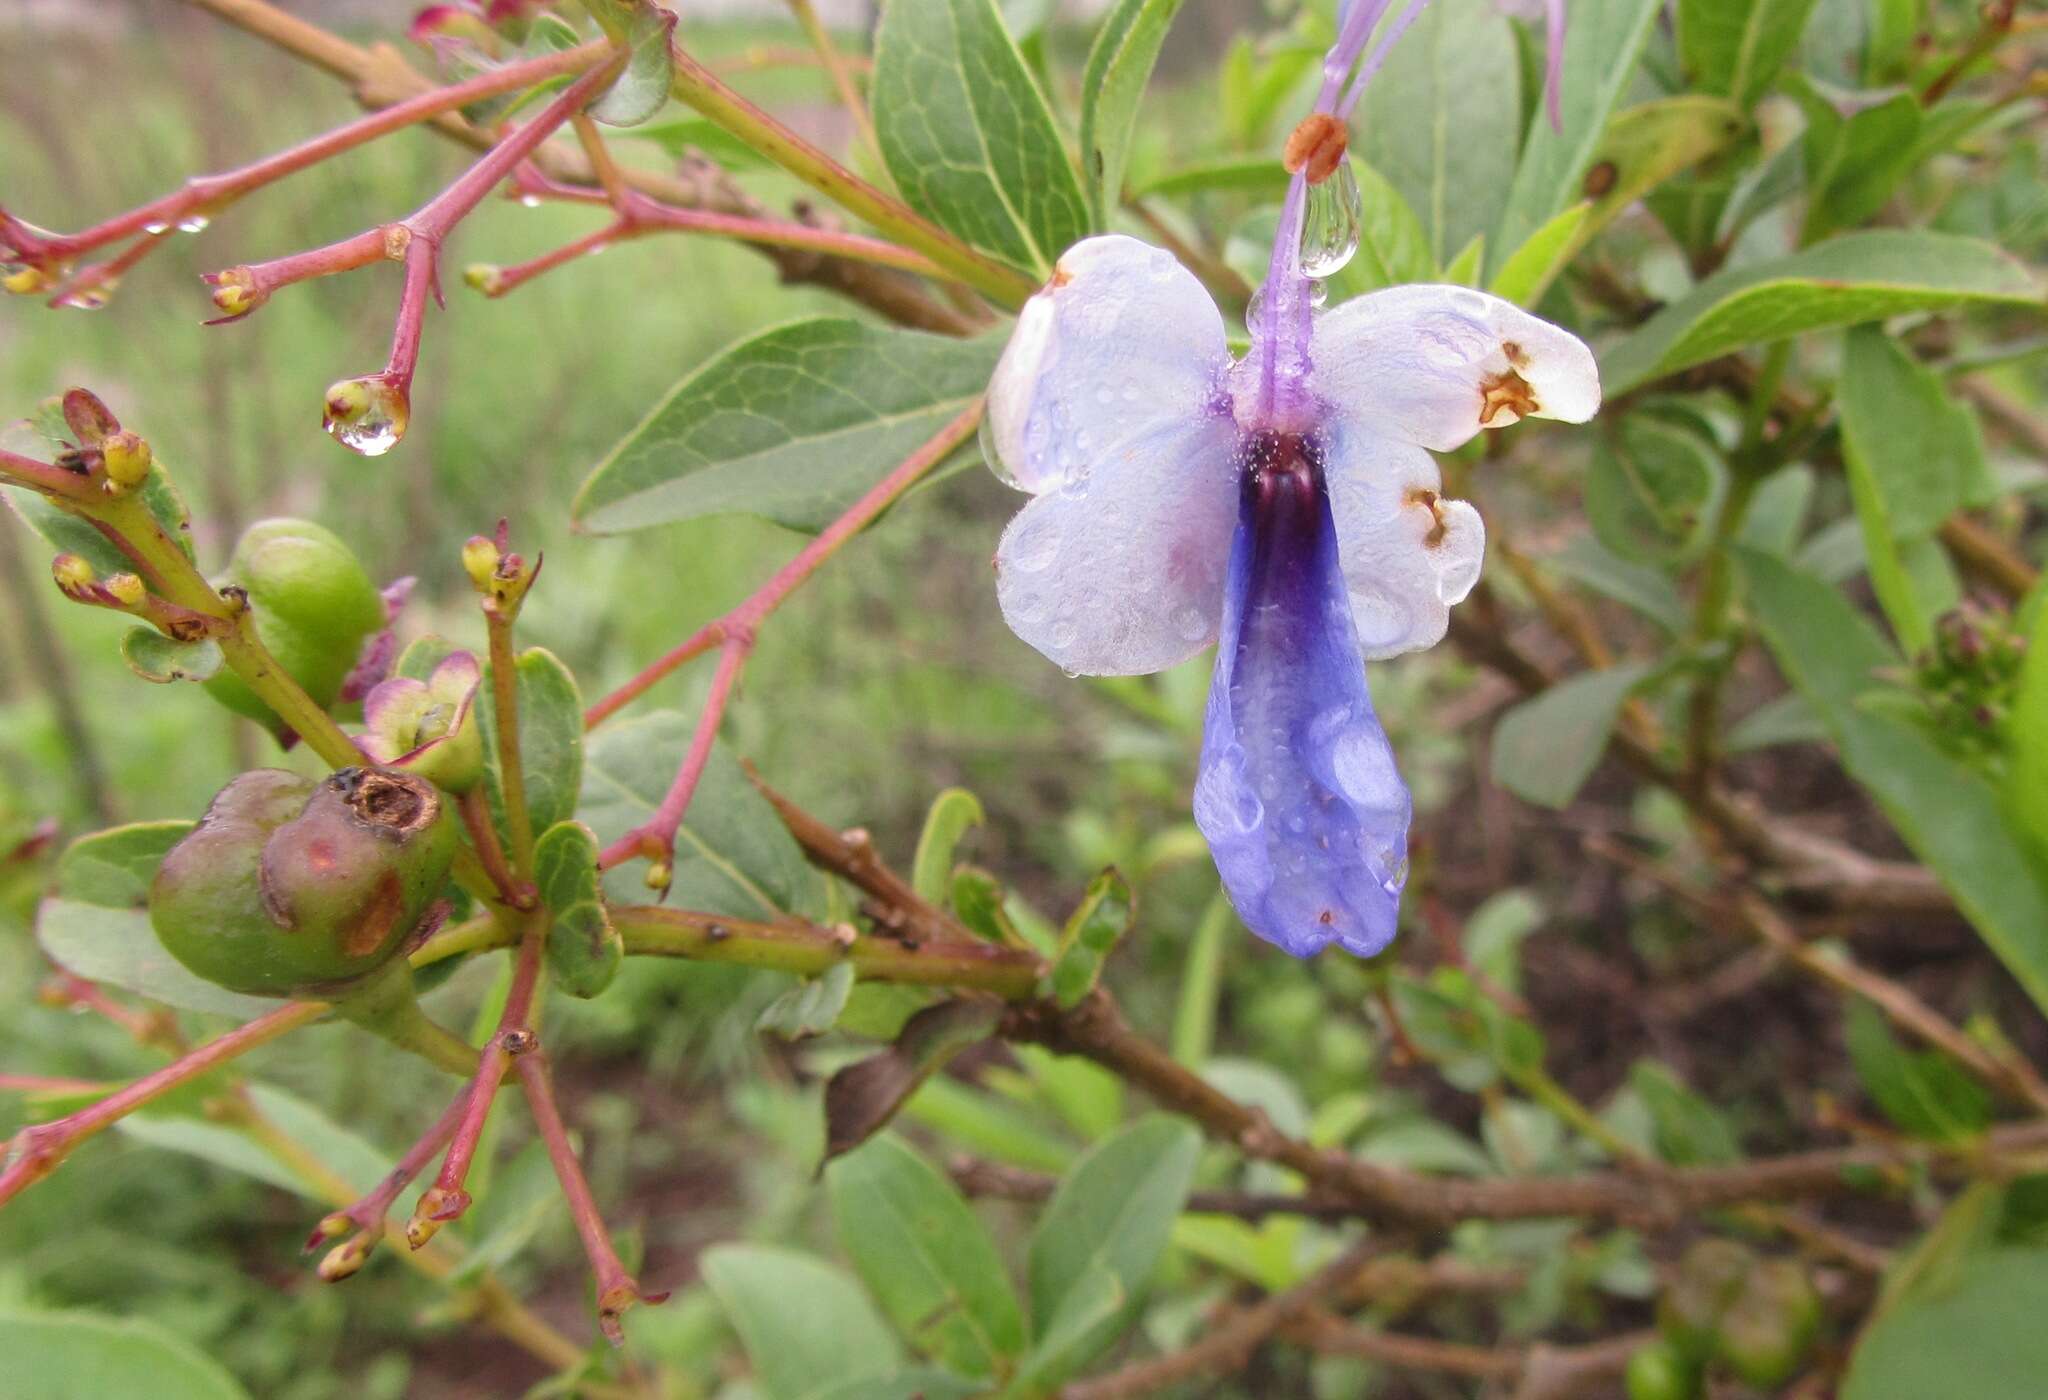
(1284, 506)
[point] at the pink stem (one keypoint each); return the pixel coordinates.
(656, 837)
(744, 619)
(206, 191)
(363, 1222)
(45, 477)
(507, 279)
(446, 1199)
(616, 1289)
(46, 1084)
(40, 1147)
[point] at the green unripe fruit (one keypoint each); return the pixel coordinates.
(1709, 1278)
(314, 607)
(290, 886)
(1659, 1371)
(1766, 1332)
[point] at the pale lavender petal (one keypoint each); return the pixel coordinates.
(1553, 60)
(1408, 554)
(456, 676)
(393, 701)
(1120, 572)
(1433, 365)
(1298, 796)
(1122, 342)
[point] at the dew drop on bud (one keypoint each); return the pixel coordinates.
(1329, 226)
(366, 415)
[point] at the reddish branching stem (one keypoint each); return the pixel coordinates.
(639, 215)
(40, 1147)
(204, 195)
(447, 1198)
(616, 1288)
(363, 1222)
(734, 635)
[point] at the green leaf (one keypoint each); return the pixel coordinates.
(733, 856)
(584, 950)
(862, 1098)
(155, 657)
(642, 89)
(1463, 270)
(71, 534)
(911, 1383)
(1735, 48)
(1852, 160)
(68, 1356)
(1545, 748)
(1949, 815)
(1926, 1094)
(1689, 1130)
(97, 925)
(677, 136)
(2026, 783)
(1441, 122)
(806, 1326)
(989, 1126)
(793, 425)
(1983, 1324)
(1921, 448)
(1789, 719)
(953, 814)
(1255, 174)
(1096, 1303)
(348, 1156)
(1104, 916)
(966, 133)
(550, 740)
(1654, 490)
(1646, 145)
(926, 1257)
(1201, 980)
(1845, 281)
(1897, 592)
(1393, 247)
(1112, 86)
(1109, 1218)
(1650, 592)
(811, 1007)
(1527, 274)
(1600, 50)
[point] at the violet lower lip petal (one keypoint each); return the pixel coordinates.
(1298, 796)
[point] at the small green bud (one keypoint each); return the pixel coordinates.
(480, 561)
(72, 573)
(127, 459)
(1767, 1330)
(484, 277)
(315, 607)
(289, 887)
(23, 279)
(234, 292)
(1709, 1277)
(1659, 1372)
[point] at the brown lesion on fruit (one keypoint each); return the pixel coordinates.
(396, 804)
(1316, 147)
(1433, 503)
(1506, 390)
(380, 918)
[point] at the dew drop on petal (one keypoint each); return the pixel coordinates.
(1189, 621)
(985, 439)
(1036, 546)
(1330, 225)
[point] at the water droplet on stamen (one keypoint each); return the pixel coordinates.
(1318, 293)
(1329, 226)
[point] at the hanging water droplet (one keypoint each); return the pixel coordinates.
(1254, 308)
(1329, 226)
(90, 297)
(193, 223)
(1318, 293)
(529, 201)
(156, 228)
(366, 415)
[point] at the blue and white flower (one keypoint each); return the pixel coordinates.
(1284, 506)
